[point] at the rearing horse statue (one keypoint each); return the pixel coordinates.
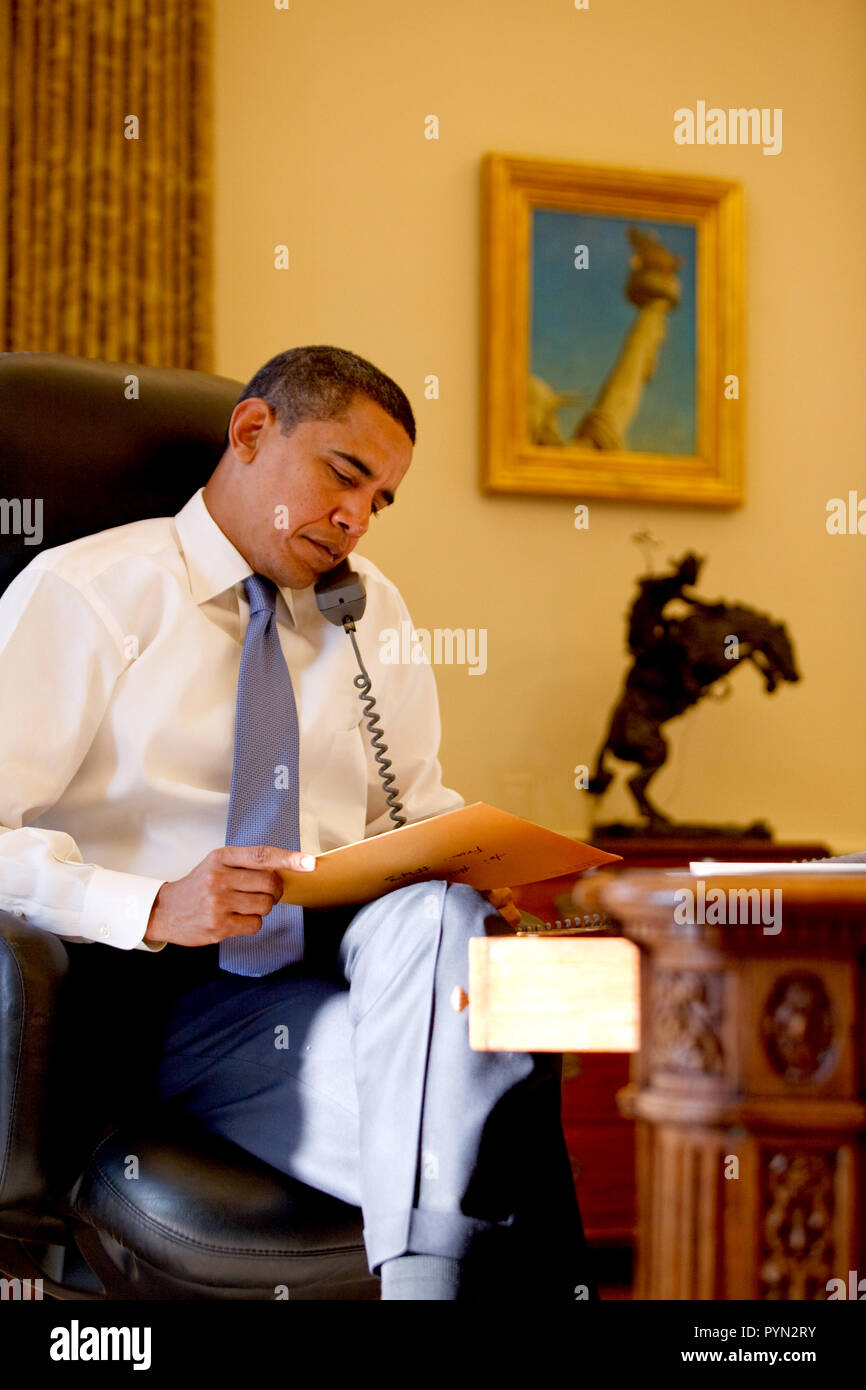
(676, 663)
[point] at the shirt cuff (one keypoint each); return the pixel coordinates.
(117, 909)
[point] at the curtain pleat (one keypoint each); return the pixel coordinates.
(5, 100)
(106, 242)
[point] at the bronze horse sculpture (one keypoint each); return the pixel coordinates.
(677, 661)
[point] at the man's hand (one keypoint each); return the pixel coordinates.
(227, 894)
(503, 900)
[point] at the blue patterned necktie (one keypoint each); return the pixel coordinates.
(263, 805)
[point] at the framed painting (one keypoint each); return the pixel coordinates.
(612, 333)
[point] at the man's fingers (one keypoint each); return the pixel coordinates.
(267, 857)
(254, 869)
(499, 896)
(250, 904)
(503, 900)
(243, 924)
(253, 881)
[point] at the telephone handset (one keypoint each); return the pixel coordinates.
(341, 598)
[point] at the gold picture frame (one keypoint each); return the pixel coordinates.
(522, 448)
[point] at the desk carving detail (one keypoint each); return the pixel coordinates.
(798, 1256)
(797, 1027)
(687, 1021)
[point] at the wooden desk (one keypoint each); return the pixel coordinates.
(749, 1087)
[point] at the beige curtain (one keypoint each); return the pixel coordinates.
(106, 239)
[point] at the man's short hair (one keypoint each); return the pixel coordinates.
(319, 383)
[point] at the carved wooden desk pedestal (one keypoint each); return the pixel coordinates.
(748, 1088)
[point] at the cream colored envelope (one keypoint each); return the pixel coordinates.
(477, 844)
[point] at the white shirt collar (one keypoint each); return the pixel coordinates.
(212, 562)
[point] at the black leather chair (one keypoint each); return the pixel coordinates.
(204, 1219)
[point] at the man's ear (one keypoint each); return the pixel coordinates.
(248, 419)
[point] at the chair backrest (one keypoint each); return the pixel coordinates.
(75, 439)
(86, 445)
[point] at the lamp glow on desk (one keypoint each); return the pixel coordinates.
(554, 994)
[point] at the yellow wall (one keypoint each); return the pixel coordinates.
(319, 144)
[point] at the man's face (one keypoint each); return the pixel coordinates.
(328, 477)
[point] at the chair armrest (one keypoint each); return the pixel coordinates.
(33, 964)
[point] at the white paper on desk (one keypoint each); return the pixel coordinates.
(477, 844)
(709, 867)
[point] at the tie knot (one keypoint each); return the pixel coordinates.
(261, 592)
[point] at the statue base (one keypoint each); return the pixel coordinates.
(670, 830)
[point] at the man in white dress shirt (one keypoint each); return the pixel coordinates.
(119, 661)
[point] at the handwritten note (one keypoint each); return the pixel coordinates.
(479, 845)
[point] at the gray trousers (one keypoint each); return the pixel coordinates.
(353, 1073)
